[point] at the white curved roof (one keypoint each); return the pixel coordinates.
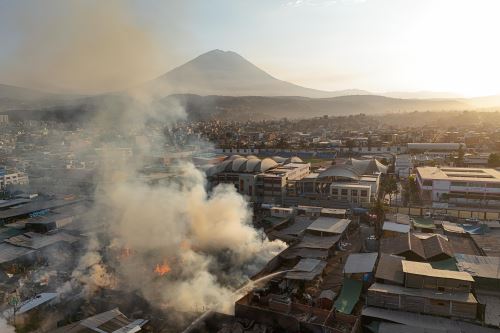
(343, 171)
(238, 164)
(294, 159)
(253, 164)
(279, 159)
(267, 164)
(367, 167)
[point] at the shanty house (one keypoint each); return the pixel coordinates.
(485, 270)
(328, 226)
(393, 229)
(452, 304)
(112, 321)
(434, 248)
(360, 266)
(305, 272)
(422, 275)
(390, 269)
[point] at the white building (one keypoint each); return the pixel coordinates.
(435, 146)
(403, 165)
(463, 186)
(13, 178)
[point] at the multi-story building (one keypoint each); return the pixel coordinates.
(262, 180)
(355, 182)
(461, 186)
(403, 165)
(12, 178)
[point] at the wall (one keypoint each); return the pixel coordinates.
(455, 212)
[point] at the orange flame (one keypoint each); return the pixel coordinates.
(162, 269)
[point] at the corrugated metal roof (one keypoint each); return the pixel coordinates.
(101, 318)
(360, 263)
(397, 227)
(492, 310)
(36, 241)
(31, 304)
(349, 295)
(390, 268)
(317, 242)
(486, 267)
(10, 252)
(426, 293)
(306, 269)
(329, 225)
(421, 268)
(422, 222)
(425, 321)
(453, 227)
(400, 328)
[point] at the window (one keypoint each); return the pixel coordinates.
(335, 191)
(475, 184)
(458, 184)
(494, 185)
(364, 193)
(344, 191)
(354, 193)
(427, 182)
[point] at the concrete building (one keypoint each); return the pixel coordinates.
(403, 165)
(263, 180)
(355, 182)
(460, 186)
(435, 146)
(12, 178)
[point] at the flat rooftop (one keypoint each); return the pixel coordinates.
(463, 174)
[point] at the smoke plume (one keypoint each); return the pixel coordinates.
(177, 244)
(5, 327)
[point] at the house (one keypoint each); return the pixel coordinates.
(360, 266)
(112, 321)
(485, 270)
(423, 275)
(390, 269)
(415, 248)
(328, 226)
(393, 229)
(449, 304)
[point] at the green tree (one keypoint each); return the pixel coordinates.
(460, 155)
(389, 187)
(494, 160)
(379, 209)
(410, 192)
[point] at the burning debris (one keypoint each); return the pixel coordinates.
(162, 269)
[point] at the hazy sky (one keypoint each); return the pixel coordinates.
(377, 45)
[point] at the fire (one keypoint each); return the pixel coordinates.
(162, 269)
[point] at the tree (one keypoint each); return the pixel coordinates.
(389, 187)
(379, 209)
(494, 160)
(410, 192)
(460, 155)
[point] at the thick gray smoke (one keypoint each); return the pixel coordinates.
(175, 243)
(5, 327)
(185, 248)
